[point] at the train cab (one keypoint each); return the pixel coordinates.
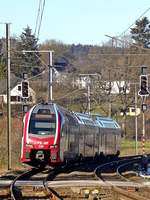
(41, 129)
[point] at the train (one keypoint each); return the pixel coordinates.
(53, 135)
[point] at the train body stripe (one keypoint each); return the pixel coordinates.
(27, 125)
(56, 134)
(25, 130)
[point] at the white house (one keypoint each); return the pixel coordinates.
(80, 82)
(16, 96)
(118, 87)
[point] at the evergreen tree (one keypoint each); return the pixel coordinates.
(141, 32)
(27, 61)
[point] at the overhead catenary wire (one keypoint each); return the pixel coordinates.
(68, 94)
(39, 18)
(134, 22)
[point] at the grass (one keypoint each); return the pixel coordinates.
(128, 147)
(16, 133)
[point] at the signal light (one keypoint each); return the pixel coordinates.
(25, 89)
(143, 107)
(143, 86)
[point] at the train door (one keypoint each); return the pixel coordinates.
(96, 142)
(115, 145)
(81, 140)
(73, 136)
(64, 145)
(102, 142)
(89, 139)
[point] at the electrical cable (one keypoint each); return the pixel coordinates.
(134, 22)
(39, 18)
(67, 94)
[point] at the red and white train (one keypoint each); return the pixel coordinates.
(53, 134)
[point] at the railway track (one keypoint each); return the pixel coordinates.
(112, 172)
(72, 181)
(132, 177)
(41, 190)
(27, 181)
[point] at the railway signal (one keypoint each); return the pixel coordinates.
(143, 92)
(143, 86)
(143, 107)
(25, 108)
(25, 89)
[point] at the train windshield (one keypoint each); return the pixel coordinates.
(43, 120)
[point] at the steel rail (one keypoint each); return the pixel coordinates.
(114, 165)
(49, 191)
(121, 167)
(24, 175)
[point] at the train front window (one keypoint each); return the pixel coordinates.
(43, 120)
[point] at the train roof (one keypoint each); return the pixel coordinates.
(106, 122)
(96, 120)
(82, 118)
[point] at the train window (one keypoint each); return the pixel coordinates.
(109, 124)
(100, 123)
(79, 120)
(37, 116)
(44, 109)
(88, 122)
(43, 120)
(71, 120)
(42, 126)
(117, 125)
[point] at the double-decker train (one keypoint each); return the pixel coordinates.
(54, 135)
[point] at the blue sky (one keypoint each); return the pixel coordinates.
(73, 21)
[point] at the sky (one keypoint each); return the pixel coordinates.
(73, 21)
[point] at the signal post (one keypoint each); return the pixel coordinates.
(25, 92)
(143, 92)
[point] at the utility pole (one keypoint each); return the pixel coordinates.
(8, 95)
(89, 98)
(89, 89)
(143, 136)
(51, 76)
(110, 99)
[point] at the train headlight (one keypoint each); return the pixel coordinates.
(54, 155)
(53, 146)
(29, 145)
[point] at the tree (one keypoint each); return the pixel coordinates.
(30, 59)
(141, 32)
(2, 63)
(2, 69)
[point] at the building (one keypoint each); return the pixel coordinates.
(16, 96)
(131, 111)
(119, 87)
(114, 87)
